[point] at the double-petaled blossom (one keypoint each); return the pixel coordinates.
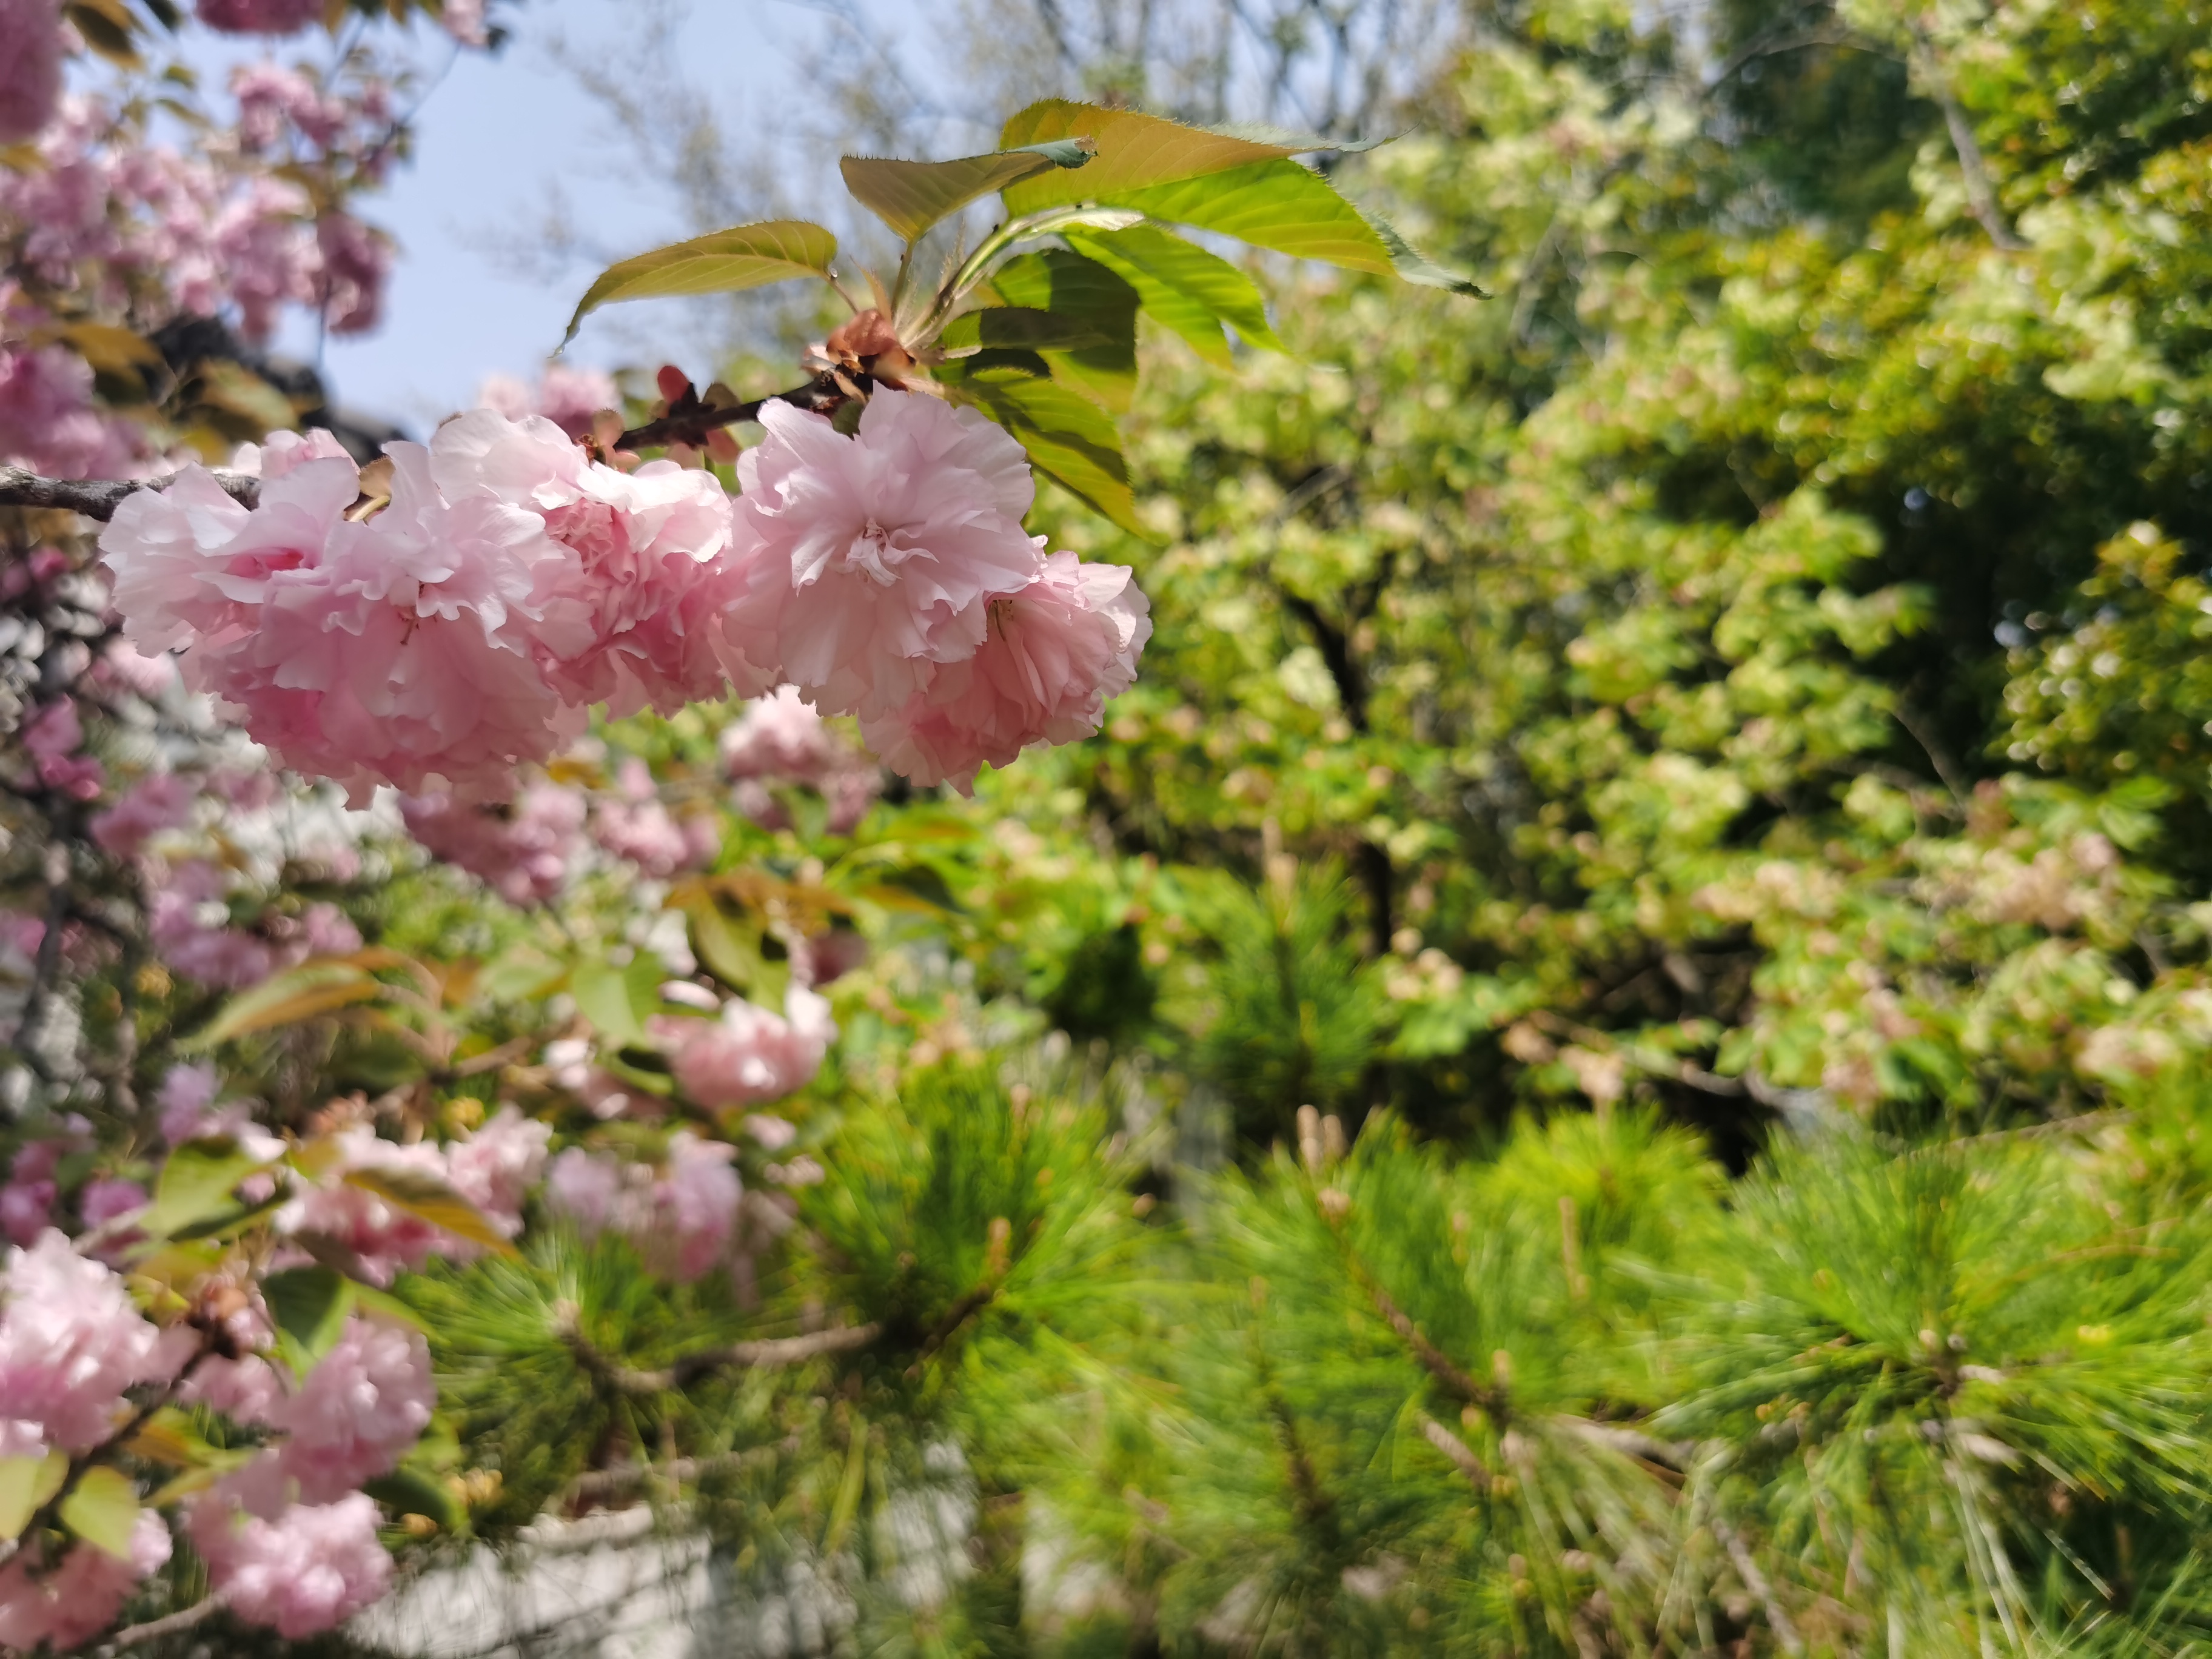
(65, 1603)
(306, 1571)
(568, 397)
(71, 1343)
(750, 1055)
(492, 1171)
(525, 851)
(781, 738)
(30, 66)
(682, 1218)
(874, 556)
(1056, 651)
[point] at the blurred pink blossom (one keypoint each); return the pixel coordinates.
(306, 1571)
(749, 1056)
(525, 851)
(352, 1416)
(53, 736)
(156, 802)
(30, 66)
(79, 1597)
(683, 1219)
(568, 397)
(71, 1340)
(260, 16)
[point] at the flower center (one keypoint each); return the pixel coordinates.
(875, 555)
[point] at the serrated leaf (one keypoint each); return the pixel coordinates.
(912, 196)
(1134, 150)
(1293, 210)
(103, 1509)
(286, 999)
(194, 1186)
(26, 1485)
(1070, 439)
(720, 261)
(1084, 291)
(1183, 287)
(309, 1306)
(1293, 143)
(427, 1198)
(1022, 328)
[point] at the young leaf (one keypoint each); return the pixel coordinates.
(309, 1306)
(1293, 210)
(1085, 292)
(1019, 328)
(286, 999)
(408, 1491)
(1069, 439)
(26, 1484)
(912, 196)
(195, 1185)
(428, 1198)
(1183, 287)
(103, 1509)
(1134, 150)
(720, 261)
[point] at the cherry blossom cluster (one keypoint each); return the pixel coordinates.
(435, 636)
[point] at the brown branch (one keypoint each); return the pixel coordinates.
(1755, 1581)
(155, 1629)
(691, 423)
(771, 1353)
(605, 1483)
(98, 498)
(955, 1317)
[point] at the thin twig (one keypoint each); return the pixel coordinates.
(773, 1353)
(1747, 1569)
(154, 1630)
(98, 498)
(690, 425)
(622, 1477)
(1456, 1449)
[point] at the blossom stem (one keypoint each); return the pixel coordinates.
(821, 394)
(98, 498)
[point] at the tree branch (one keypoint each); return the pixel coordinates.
(155, 1629)
(1455, 1448)
(690, 423)
(1981, 195)
(98, 498)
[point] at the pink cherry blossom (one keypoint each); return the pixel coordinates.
(27, 1201)
(357, 261)
(780, 736)
(749, 1056)
(568, 397)
(260, 16)
(683, 1220)
(1056, 651)
(306, 1571)
(47, 421)
(30, 66)
(383, 1237)
(108, 1200)
(137, 672)
(68, 1605)
(872, 556)
(53, 736)
(187, 921)
(71, 1341)
(587, 1188)
(157, 802)
(465, 21)
(496, 1167)
(187, 1091)
(356, 1412)
(525, 851)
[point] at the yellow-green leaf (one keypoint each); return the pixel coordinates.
(26, 1484)
(1134, 150)
(103, 1509)
(720, 261)
(912, 196)
(109, 347)
(1183, 287)
(428, 1198)
(196, 1184)
(1071, 439)
(1019, 326)
(239, 391)
(308, 1306)
(285, 998)
(1085, 292)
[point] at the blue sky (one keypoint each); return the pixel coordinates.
(491, 138)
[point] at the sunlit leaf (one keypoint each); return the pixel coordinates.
(103, 1509)
(285, 998)
(238, 390)
(912, 196)
(720, 261)
(26, 1485)
(411, 1492)
(1070, 439)
(110, 348)
(1021, 327)
(194, 1186)
(1085, 292)
(427, 1198)
(1183, 287)
(618, 999)
(1134, 150)
(309, 1306)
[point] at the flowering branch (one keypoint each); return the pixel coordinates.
(688, 421)
(98, 498)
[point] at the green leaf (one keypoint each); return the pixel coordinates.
(103, 1509)
(1020, 327)
(309, 1306)
(602, 995)
(1134, 150)
(731, 950)
(427, 1198)
(1183, 287)
(1070, 439)
(720, 261)
(26, 1485)
(912, 196)
(237, 390)
(194, 1186)
(286, 999)
(411, 1492)
(1293, 210)
(1086, 293)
